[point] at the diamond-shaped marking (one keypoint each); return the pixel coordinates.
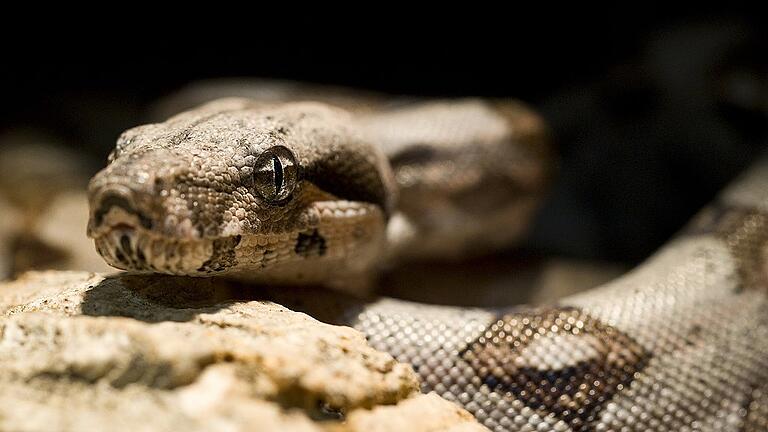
(504, 356)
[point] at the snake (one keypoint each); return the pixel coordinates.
(308, 188)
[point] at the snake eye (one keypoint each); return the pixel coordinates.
(275, 174)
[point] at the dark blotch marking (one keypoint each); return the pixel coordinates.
(125, 254)
(125, 242)
(120, 257)
(145, 221)
(205, 222)
(223, 255)
(745, 232)
(694, 335)
(312, 244)
(575, 393)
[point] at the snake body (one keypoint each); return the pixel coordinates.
(307, 193)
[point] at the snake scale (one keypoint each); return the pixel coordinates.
(285, 192)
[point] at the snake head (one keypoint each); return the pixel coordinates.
(243, 188)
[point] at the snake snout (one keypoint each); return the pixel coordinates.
(118, 197)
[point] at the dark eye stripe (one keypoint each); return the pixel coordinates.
(277, 166)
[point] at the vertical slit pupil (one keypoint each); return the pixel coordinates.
(277, 167)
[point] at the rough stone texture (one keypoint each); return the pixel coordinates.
(80, 351)
(425, 413)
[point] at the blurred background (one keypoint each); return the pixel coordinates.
(651, 115)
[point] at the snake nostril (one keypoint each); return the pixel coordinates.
(120, 199)
(107, 201)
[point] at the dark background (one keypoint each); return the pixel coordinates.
(651, 115)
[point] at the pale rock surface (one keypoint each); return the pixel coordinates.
(80, 351)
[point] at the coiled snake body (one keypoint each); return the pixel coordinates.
(307, 193)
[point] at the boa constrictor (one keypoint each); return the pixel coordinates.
(303, 193)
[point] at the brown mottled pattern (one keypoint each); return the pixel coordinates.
(745, 231)
(573, 390)
(679, 344)
(675, 345)
(223, 255)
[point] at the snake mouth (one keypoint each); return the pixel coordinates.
(126, 243)
(128, 248)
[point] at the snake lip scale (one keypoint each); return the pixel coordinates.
(286, 192)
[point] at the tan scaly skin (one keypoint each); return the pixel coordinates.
(303, 193)
(297, 193)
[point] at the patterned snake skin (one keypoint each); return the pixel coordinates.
(295, 193)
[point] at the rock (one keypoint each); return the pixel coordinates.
(425, 413)
(81, 351)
